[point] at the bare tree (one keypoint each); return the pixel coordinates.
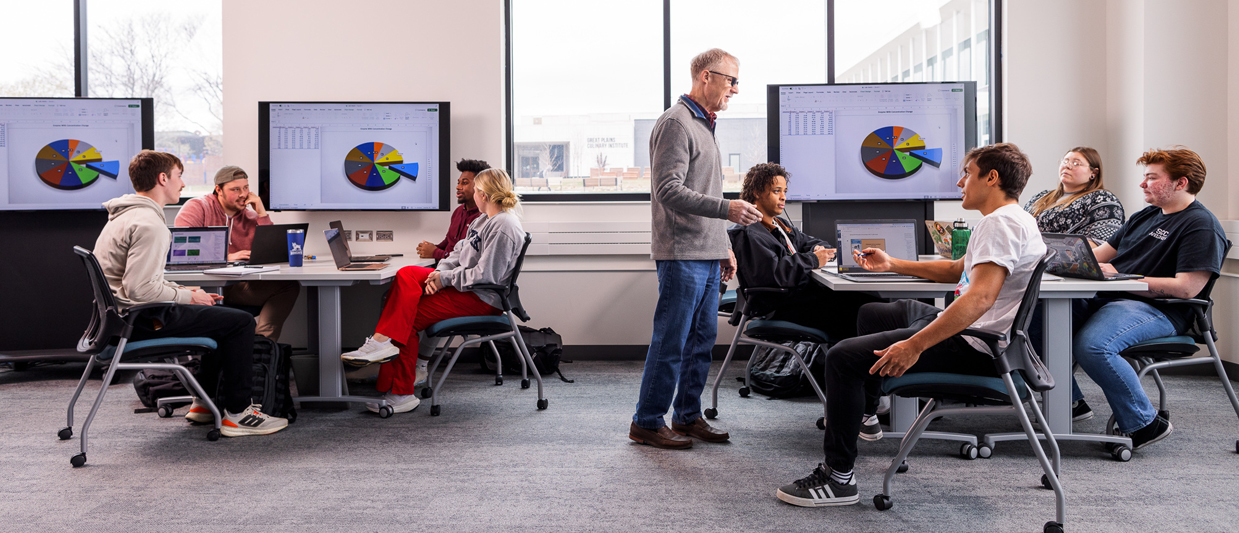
(136, 57)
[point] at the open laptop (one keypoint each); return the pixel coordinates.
(339, 253)
(1075, 259)
(336, 224)
(197, 249)
(271, 243)
(897, 237)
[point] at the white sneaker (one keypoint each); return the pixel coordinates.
(421, 372)
(371, 352)
(251, 421)
(398, 402)
(199, 413)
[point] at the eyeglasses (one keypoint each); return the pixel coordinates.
(1074, 163)
(732, 80)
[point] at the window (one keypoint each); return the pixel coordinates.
(43, 33)
(589, 79)
(172, 51)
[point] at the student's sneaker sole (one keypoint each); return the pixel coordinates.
(805, 502)
(360, 363)
(405, 407)
(200, 415)
(234, 430)
(1159, 438)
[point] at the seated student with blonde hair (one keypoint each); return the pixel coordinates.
(422, 296)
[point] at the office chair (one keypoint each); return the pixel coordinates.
(1167, 352)
(761, 331)
(111, 324)
(1023, 375)
(483, 329)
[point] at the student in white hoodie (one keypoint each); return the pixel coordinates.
(132, 250)
(422, 296)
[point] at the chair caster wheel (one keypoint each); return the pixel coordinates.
(984, 451)
(821, 422)
(434, 410)
(78, 460)
(1045, 482)
(385, 411)
(213, 435)
(903, 467)
(744, 392)
(427, 392)
(1121, 453)
(882, 502)
(968, 451)
(711, 413)
(66, 433)
(1052, 527)
(165, 411)
(543, 403)
(524, 383)
(498, 381)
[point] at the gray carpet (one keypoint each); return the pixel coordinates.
(493, 462)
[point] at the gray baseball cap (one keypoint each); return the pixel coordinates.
(229, 173)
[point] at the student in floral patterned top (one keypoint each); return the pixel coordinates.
(1080, 204)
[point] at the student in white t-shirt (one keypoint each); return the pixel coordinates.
(910, 336)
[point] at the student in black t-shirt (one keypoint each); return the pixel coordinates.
(1178, 245)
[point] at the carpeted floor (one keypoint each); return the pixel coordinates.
(492, 462)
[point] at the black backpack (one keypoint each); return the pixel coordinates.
(270, 379)
(546, 347)
(776, 374)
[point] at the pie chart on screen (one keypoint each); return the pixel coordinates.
(70, 164)
(895, 152)
(376, 166)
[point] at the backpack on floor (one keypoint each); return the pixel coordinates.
(546, 347)
(151, 384)
(775, 373)
(272, 365)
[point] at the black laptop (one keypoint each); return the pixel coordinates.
(336, 224)
(1075, 259)
(271, 243)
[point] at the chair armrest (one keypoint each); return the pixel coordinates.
(488, 287)
(1183, 301)
(767, 290)
(990, 338)
(148, 305)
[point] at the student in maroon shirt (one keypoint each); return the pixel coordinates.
(462, 216)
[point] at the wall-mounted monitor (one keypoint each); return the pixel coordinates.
(882, 141)
(336, 156)
(70, 153)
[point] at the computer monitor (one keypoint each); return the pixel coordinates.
(880, 141)
(70, 153)
(337, 156)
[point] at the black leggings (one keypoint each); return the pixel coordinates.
(848, 380)
(233, 332)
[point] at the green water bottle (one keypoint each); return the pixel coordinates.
(959, 239)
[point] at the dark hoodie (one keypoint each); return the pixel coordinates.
(764, 260)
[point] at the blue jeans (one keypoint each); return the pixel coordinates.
(685, 328)
(1109, 327)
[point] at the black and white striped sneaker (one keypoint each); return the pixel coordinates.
(869, 428)
(819, 490)
(251, 421)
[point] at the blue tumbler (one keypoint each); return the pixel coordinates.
(296, 244)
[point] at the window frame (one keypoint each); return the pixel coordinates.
(993, 46)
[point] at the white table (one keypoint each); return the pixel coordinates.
(1056, 295)
(323, 281)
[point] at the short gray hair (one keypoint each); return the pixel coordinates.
(708, 60)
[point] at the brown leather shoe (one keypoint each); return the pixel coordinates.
(700, 429)
(663, 438)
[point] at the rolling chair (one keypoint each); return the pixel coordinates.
(482, 329)
(111, 323)
(1167, 352)
(761, 331)
(1023, 376)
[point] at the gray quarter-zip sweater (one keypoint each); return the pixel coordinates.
(686, 188)
(486, 255)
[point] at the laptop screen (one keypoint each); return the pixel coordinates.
(339, 250)
(196, 246)
(1074, 258)
(895, 237)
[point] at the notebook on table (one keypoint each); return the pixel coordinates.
(197, 249)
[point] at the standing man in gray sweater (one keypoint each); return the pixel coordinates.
(690, 247)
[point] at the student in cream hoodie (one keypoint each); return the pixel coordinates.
(132, 250)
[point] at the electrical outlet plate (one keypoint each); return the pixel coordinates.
(384, 235)
(365, 235)
(348, 234)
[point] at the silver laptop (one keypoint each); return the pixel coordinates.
(336, 224)
(339, 253)
(1075, 259)
(197, 249)
(896, 237)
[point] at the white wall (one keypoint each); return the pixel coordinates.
(1119, 75)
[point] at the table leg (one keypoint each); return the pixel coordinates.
(1056, 347)
(331, 384)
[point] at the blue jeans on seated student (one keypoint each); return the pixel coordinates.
(685, 329)
(1109, 326)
